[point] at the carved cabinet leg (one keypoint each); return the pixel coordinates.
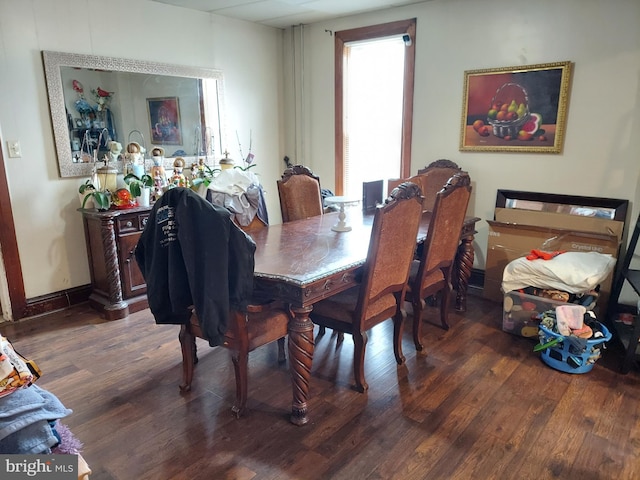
(116, 308)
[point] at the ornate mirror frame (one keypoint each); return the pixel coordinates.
(53, 61)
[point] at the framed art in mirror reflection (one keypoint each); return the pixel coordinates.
(164, 119)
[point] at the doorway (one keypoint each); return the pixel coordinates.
(12, 295)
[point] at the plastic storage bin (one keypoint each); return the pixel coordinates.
(566, 357)
(520, 310)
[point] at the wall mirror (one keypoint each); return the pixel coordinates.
(94, 100)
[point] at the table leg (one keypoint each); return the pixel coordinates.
(464, 264)
(301, 347)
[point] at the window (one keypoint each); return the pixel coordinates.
(374, 104)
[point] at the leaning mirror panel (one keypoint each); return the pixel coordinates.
(95, 100)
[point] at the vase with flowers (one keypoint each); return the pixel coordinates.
(102, 98)
(140, 187)
(91, 197)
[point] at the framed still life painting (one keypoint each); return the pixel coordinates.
(515, 109)
(164, 120)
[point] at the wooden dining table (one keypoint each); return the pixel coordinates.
(305, 261)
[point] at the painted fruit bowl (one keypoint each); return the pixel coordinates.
(509, 110)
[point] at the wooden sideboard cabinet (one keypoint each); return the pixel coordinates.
(118, 287)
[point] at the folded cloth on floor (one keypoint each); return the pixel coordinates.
(24, 420)
(573, 272)
(35, 438)
(14, 369)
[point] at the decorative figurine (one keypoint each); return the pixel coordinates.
(134, 152)
(135, 156)
(157, 172)
(178, 179)
(194, 171)
(115, 148)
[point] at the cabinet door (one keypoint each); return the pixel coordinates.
(133, 283)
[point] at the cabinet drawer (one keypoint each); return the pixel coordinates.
(132, 223)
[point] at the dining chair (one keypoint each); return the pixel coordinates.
(431, 273)
(198, 267)
(379, 295)
(253, 200)
(258, 309)
(261, 324)
(299, 192)
(258, 300)
(433, 177)
(301, 197)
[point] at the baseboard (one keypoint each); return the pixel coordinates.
(56, 301)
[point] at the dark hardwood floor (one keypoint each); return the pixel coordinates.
(478, 405)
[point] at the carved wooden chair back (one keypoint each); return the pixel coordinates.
(299, 192)
(433, 177)
(432, 272)
(384, 275)
(388, 258)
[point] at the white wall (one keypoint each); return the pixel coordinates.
(601, 37)
(48, 227)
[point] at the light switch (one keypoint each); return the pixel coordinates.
(14, 149)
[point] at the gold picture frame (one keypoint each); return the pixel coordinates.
(515, 109)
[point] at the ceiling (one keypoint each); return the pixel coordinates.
(285, 13)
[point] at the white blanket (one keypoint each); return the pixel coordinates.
(573, 272)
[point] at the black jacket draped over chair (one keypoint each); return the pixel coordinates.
(191, 257)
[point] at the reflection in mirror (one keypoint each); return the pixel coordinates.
(101, 104)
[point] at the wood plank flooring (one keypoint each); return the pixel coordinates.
(478, 405)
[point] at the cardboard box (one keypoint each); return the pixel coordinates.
(560, 220)
(509, 241)
(532, 220)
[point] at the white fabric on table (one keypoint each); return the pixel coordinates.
(233, 181)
